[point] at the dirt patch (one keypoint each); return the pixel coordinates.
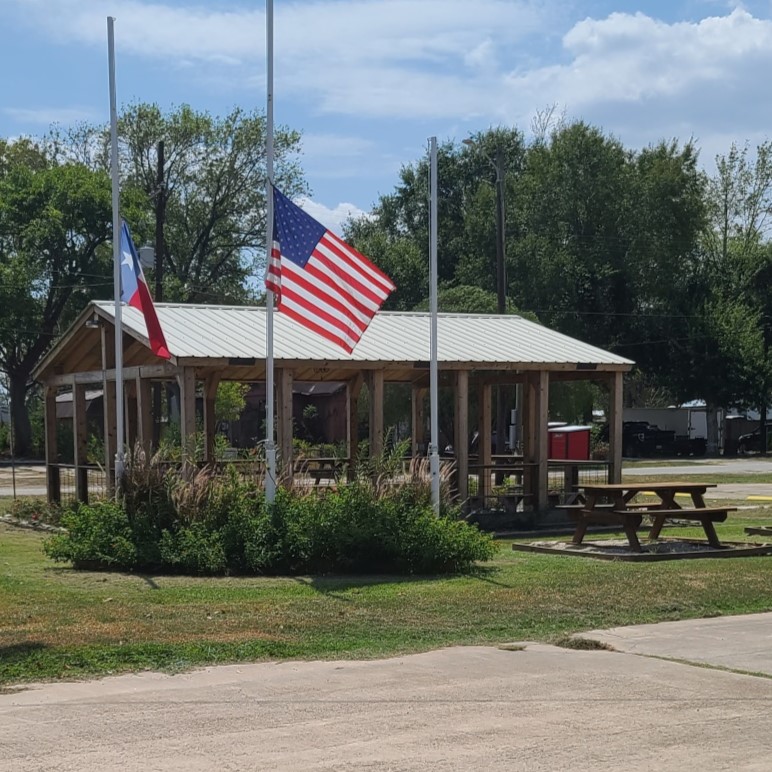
(662, 549)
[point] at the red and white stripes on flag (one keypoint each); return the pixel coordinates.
(320, 281)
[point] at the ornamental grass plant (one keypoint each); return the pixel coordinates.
(216, 521)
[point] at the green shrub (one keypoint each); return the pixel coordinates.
(98, 536)
(33, 510)
(198, 522)
(194, 549)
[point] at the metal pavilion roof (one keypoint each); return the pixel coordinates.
(238, 332)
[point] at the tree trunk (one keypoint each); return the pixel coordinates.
(711, 418)
(22, 431)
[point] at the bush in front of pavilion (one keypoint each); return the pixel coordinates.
(206, 523)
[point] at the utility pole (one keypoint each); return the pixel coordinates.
(499, 165)
(501, 297)
(501, 275)
(160, 216)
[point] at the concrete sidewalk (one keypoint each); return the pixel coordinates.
(542, 708)
(741, 643)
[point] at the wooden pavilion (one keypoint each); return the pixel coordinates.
(210, 344)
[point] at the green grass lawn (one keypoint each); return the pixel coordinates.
(59, 623)
(695, 476)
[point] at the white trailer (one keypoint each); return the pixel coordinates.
(689, 424)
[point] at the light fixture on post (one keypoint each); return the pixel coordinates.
(498, 165)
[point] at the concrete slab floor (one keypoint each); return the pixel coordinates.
(476, 708)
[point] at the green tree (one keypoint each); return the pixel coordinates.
(570, 260)
(230, 400)
(214, 187)
(54, 220)
(396, 235)
(736, 268)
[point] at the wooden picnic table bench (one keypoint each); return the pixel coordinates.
(612, 504)
(320, 468)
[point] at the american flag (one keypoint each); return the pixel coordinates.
(319, 280)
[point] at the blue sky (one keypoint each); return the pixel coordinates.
(368, 81)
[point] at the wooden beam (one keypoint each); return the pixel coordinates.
(375, 387)
(616, 386)
(108, 374)
(353, 387)
(80, 441)
(461, 433)
(144, 414)
(541, 385)
(284, 426)
(210, 394)
(530, 453)
(53, 487)
(484, 417)
(130, 414)
(418, 421)
(108, 405)
(187, 381)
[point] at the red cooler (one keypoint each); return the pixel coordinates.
(569, 443)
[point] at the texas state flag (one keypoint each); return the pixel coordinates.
(134, 291)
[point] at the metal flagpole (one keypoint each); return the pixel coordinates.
(270, 445)
(116, 258)
(434, 458)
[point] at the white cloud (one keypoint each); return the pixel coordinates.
(371, 57)
(334, 218)
(629, 58)
(50, 115)
(336, 146)
(448, 62)
(482, 57)
(645, 79)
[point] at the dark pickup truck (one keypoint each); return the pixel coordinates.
(640, 438)
(644, 440)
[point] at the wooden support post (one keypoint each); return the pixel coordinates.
(531, 434)
(144, 414)
(284, 426)
(130, 412)
(52, 456)
(211, 382)
(80, 441)
(461, 433)
(484, 417)
(541, 388)
(108, 407)
(615, 429)
(570, 481)
(353, 387)
(187, 382)
(418, 421)
(527, 438)
(375, 385)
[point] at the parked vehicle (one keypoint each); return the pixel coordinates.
(751, 442)
(689, 425)
(641, 439)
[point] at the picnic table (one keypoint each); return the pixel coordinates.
(321, 468)
(615, 504)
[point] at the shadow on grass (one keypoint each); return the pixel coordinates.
(332, 584)
(79, 571)
(18, 652)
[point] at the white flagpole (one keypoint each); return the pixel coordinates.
(116, 258)
(434, 458)
(270, 445)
